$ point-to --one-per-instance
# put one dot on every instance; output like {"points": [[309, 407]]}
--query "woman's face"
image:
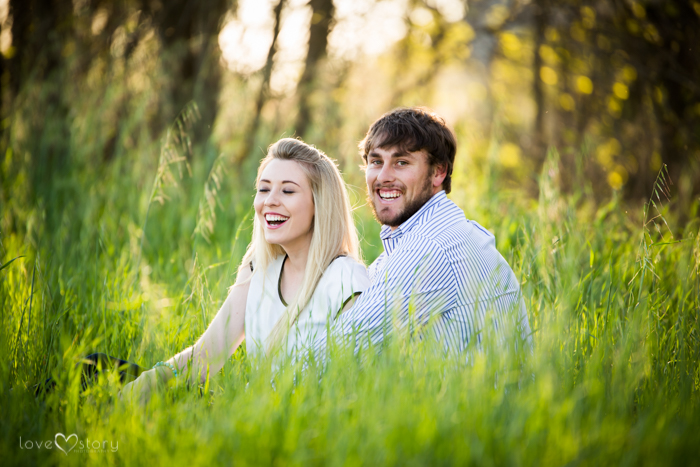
{"points": [[284, 205]]}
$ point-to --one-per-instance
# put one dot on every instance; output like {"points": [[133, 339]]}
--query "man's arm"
{"points": [[416, 281]]}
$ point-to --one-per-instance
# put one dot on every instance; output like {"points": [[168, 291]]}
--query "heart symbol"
{"points": [[55, 441]]}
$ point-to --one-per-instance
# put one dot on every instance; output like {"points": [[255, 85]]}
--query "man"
{"points": [[439, 272]]}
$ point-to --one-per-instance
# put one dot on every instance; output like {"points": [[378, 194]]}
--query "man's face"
{"points": [[399, 183]]}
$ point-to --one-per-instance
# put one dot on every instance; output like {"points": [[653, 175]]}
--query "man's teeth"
{"points": [[389, 194], [271, 218]]}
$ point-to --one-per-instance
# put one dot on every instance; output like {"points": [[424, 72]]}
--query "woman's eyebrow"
{"points": [[283, 181]]}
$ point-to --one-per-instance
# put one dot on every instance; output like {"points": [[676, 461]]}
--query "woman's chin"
{"points": [[274, 238]]}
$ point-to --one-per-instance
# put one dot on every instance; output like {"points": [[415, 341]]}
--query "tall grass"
{"points": [[137, 264]]}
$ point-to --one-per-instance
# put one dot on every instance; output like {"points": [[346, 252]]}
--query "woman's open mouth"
{"points": [[275, 221]]}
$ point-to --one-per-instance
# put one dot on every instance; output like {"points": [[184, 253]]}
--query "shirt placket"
{"points": [[392, 241]]}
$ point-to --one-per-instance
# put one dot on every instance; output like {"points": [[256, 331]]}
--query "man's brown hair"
{"points": [[414, 129]]}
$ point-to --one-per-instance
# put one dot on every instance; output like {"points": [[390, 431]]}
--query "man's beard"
{"points": [[412, 207]]}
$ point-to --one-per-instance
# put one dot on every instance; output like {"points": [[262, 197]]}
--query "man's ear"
{"points": [[439, 174]]}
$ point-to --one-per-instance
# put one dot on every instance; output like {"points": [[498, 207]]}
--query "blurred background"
{"points": [[130, 136], [105, 102]]}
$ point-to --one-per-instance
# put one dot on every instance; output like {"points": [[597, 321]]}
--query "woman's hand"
{"points": [[140, 390], [219, 341], [224, 334]]}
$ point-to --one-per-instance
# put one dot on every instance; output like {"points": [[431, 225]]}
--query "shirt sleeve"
{"points": [[418, 279], [355, 281], [345, 279]]}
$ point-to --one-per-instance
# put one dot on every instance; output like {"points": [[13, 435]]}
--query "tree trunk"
{"points": [[264, 86], [38, 31], [188, 32], [321, 23], [486, 27], [540, 23]]}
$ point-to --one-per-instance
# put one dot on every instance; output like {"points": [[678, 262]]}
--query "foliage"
{"points": [[613, 377], [120, 232]]}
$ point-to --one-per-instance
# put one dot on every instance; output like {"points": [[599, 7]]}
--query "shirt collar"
{"points": [[419, 218]]}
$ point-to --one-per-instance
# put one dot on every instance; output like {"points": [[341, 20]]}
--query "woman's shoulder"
{"points": [[252, 267], [345, 268], [346, 262], [344, 278]]}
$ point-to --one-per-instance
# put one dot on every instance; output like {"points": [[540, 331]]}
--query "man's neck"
{"points": [[436, 190]]}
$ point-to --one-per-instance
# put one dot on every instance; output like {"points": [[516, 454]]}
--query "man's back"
{"points": [[438, 270]]}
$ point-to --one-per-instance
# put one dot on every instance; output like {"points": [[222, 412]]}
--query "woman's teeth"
{"points": [[275, 220]]}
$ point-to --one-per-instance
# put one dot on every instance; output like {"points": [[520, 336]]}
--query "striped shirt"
{"points": [[439, 273]]}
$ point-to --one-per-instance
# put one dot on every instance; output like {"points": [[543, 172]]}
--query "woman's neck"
{"points": [[293, 268], [298, 255]]}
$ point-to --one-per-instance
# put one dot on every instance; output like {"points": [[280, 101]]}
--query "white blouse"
{"points": [[343, 279]]}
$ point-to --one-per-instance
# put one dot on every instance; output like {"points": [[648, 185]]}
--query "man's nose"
{"points": [[386, 174]]}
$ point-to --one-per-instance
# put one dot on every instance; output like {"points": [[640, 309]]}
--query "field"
{"points": [[138, 259]]}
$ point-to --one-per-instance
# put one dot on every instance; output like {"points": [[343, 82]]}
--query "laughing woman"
{"points": [[302, 268]]}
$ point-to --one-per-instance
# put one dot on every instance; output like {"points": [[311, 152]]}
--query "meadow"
{"points": [[135, 259]]}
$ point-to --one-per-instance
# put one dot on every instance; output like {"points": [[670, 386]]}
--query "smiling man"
{"points": [[439, 273]]}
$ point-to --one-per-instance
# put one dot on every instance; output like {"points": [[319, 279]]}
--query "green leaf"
{"points": [[9, 262]]}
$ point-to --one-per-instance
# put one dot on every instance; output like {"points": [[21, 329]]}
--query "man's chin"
{"points": [[394, 216], [388, 218]]}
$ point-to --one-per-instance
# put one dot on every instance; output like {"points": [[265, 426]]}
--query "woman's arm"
{"points": [[223, 336]]}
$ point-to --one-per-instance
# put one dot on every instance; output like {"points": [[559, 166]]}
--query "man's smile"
{"points": [[389, 195]]}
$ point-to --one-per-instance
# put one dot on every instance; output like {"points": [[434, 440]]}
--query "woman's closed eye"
{"points": [[286, 192]]}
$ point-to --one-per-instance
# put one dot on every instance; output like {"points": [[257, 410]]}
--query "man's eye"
{"points": [[375, 162], [402, 163]]}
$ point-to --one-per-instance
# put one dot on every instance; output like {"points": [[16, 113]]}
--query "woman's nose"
{"points": [[272, 198]]}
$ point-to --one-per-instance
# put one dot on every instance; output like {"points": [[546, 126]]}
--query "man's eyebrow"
{"points": [[283, 181], [394, 154]]}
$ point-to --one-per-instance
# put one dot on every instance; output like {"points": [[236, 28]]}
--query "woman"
{"points": [[302, 268]]}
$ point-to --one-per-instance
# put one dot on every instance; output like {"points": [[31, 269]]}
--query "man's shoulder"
{"points": [[446, 233], [459, 244], [446, 227], [372, 269]]}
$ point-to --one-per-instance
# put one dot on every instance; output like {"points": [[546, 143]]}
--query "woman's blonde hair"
{"points": [[334, 231]]}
